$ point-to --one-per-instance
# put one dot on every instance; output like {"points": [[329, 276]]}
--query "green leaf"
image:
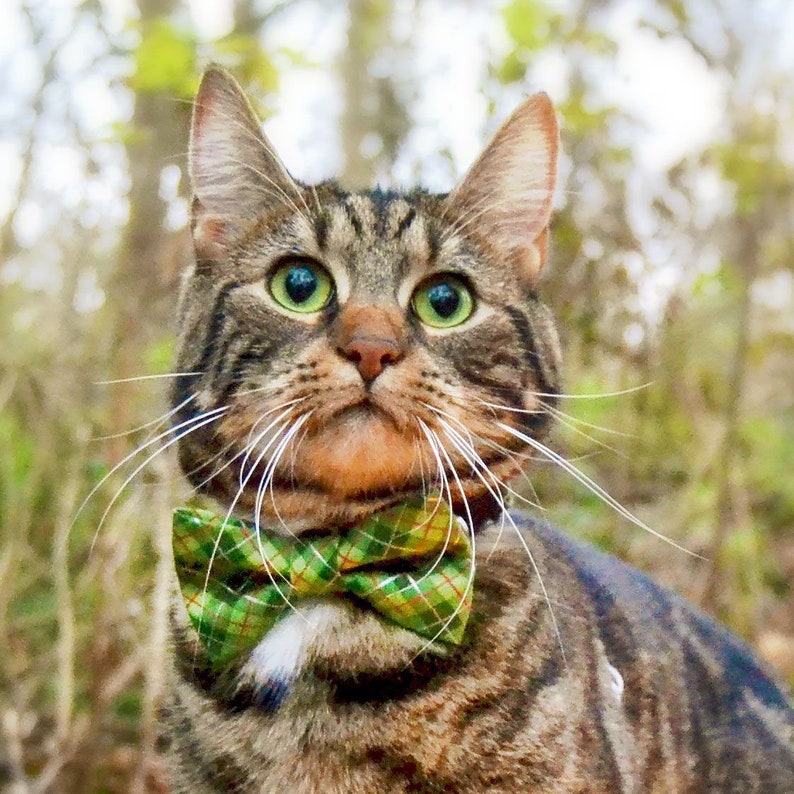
{"points": [[527, 23], [159, 357], [251, 64], [512, 69], [165, 60]]}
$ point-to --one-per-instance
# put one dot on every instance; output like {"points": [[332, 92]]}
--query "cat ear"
{"points": [[506, 196], [234, 171]]}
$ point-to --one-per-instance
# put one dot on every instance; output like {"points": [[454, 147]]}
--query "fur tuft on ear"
{"points": [[234, 171], [505, 198]]}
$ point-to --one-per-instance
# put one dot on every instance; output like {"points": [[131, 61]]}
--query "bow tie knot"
{"points": [[411, 563]]}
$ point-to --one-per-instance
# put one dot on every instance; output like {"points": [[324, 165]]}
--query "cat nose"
{"points": [[371, 354]]}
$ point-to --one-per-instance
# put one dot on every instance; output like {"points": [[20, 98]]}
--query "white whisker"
{"points": [[573, 420], [263, 485], [243, 483], [246, 448], [563, 417], [592, 486], [244, 477], [470, 444], [592, 396], [273, 463], [578, 430], [214, 413], [433, 440], [156, 422], [435, 445], [144, 377], [480, 471], [194, 424], [252, 444]]}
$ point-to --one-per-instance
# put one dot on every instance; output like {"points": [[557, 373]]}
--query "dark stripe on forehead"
{"points": [[381, 199], [321, 229], [405, 223], [401, 267], [434, 240], [352, 216]]}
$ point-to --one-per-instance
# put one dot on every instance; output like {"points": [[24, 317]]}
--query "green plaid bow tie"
{"points": [[256, 577]]}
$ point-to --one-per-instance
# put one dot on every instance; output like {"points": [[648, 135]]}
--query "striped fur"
{"points": [[577, 674]]}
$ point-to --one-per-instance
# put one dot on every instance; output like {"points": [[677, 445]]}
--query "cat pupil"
{"points": [[300, 284], [444, 299]]}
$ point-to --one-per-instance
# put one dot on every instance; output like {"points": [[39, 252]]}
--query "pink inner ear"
{"points": [[209, 234]]}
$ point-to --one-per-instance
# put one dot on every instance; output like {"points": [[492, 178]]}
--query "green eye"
{"points": [[443, 302], [301, 286]]}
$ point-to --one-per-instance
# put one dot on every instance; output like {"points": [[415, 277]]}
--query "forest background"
{"points": [[672, 276]]}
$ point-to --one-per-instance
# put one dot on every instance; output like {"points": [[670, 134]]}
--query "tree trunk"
{"points": [[141, 289], [374, 121], [725, 513]]}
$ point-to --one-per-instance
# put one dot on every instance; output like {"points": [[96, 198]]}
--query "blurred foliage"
{"points": [[250, 61], [680, 405], [165, 60]]}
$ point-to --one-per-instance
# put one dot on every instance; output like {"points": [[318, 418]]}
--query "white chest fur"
{"points": [[280, 656]]}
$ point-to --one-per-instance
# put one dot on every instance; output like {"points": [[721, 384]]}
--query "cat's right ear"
{"points": [[234, 172]]}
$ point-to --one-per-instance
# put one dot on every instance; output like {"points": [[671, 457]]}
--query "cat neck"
{"points": [[302, 511]]}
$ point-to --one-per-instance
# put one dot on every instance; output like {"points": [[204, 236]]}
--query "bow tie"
{"points": [[412, 563]]}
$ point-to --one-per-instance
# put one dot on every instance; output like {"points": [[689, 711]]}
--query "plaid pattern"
{"points": [[238, 583]]}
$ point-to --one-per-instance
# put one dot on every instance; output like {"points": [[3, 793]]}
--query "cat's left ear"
{"points": [[506, 196]]}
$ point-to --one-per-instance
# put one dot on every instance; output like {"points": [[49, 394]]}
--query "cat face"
{"points": [[348, 348]]}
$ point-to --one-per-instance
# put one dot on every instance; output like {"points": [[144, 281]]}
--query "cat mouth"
{"points": [[364, 410]]}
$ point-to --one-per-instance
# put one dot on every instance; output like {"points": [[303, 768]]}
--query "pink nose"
{"points": [[371, 355]]}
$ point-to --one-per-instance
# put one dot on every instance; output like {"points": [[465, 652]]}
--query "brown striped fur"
{"points": [[577, 674]]}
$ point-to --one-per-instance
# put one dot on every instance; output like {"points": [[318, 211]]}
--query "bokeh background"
{"points": [[672, 276]]}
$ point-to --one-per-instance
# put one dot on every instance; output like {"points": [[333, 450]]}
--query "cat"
{"points": [[342, 353]]}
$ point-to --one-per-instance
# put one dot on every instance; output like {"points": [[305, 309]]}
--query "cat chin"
{"points": [[329, 636], [350, 458]]}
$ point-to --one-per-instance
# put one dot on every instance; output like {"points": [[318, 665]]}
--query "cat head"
{"points": [[345, 349]]}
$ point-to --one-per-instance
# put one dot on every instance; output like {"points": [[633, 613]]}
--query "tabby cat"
{"points": [[345, 353]]}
